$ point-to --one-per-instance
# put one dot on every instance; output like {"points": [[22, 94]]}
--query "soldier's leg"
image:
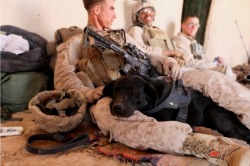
{"points": [[227, 93], [216, 149], [142, 132]]}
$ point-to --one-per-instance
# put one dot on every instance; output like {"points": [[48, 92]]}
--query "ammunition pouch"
{"points": [[197, 51], [158, 38], [102, 65]]}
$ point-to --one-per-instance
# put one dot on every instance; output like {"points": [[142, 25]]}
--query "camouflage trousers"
{"points": [[142, 132], [222, 90]]}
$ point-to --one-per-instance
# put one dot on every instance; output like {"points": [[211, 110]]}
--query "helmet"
{"points": [[137, 7], [72, 101]]}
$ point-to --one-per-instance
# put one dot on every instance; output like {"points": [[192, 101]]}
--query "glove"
{"points": [[93, 95], [171, 67]]}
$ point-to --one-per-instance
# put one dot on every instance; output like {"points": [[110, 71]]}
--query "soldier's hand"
{"points": [[93, 95], [178, 54], [180, 61], [171, 67], [168, 52], [173, 53]]}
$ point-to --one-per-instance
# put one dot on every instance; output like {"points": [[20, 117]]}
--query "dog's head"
{"points": [[132, 92]]}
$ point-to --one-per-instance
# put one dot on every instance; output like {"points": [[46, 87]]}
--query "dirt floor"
{"points": [[13, 152]]}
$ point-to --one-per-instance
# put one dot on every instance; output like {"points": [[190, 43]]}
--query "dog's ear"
{"points": [[156, 83], [108, 90], [151, 93]]}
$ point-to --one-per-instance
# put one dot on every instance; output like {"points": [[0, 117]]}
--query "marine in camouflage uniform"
{"points": [[193, 52], [138, 131], [144, 32]]}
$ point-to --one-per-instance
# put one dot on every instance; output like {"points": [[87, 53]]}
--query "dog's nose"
{"points": [[117, 108]]}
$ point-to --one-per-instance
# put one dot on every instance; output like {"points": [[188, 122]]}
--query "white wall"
{"points": [[45, 16], [222, 36]]}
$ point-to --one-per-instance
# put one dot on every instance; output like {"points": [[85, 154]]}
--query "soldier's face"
{"points": [[147, 15], [107, 14], [190, 26]]}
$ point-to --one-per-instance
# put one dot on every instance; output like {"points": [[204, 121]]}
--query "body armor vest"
{"points": [[102, 65], [155, 37], [198, 51]]}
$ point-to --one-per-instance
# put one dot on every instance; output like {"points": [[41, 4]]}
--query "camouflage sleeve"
{"points": [[65, 76], [136, 32], [140, 131], [183, 44]]}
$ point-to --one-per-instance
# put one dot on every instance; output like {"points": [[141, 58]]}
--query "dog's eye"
{"points": [[116, 89], [132, 91]]}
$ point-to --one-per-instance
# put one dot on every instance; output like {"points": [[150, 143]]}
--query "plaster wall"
{"points": [[222, 37]]}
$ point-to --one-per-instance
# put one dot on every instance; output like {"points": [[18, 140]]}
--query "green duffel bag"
{"points": [[18, 88]]}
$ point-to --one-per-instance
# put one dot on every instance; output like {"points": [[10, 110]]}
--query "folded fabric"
{"points": [[3, 43]]}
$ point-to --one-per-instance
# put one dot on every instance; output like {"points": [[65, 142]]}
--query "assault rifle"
{"points": [[135, 59]]}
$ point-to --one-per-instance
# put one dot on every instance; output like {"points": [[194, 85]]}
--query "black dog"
{"points": [[135, 92]]}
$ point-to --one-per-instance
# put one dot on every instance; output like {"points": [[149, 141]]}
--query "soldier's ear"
{"points": [[108, 90], [96, 9]]}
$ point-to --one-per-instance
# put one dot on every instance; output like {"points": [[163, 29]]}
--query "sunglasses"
{"points": [[190, 24], [146, 11]]}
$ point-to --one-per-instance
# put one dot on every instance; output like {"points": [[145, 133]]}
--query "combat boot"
{"points": [[217, 150]]}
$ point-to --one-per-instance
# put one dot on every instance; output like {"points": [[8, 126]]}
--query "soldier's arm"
{"points": [[183, 45], [65, 76], [136, 32], [164, 65]]}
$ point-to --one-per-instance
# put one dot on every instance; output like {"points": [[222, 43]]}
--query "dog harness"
{"points": [[179, 98]]}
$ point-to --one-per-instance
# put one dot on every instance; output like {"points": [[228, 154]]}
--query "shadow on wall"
{"points": [[170, 27]]}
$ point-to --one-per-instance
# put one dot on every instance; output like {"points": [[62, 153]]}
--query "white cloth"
{"points": [[14, 43]]}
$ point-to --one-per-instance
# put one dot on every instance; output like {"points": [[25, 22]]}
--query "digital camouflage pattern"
{"points": [[61, 123], [217, 150], [140, 131], [227, 93]]}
